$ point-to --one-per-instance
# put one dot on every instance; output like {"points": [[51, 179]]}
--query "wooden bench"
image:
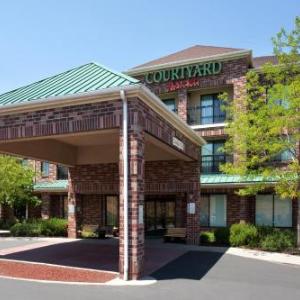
{"points": [[173, 234]]}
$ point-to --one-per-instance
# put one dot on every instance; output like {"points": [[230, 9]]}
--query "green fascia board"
{"points": [[51, 185], [86, 78], [232, 179]]}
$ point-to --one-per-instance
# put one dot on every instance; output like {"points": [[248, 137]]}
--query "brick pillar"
{"points": [[135, 200], [193, 208], [73, 202], [182, 104], [45, 207]]}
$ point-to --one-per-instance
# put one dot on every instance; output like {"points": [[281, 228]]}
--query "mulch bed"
{"points": [[53, 273]]}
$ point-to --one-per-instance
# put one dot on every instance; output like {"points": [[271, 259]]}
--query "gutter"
{"points": [[125, 182]]}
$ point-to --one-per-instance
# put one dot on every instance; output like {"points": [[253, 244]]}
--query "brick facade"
{"points": [[89, 184]]}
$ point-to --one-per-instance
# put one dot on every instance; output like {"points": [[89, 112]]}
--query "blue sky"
{"points": [[42, 38]]}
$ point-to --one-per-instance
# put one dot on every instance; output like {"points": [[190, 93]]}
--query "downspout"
{"points": [[125, 181]]}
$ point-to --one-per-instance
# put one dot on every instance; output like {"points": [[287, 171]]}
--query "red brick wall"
{"points": [[92, 207]]}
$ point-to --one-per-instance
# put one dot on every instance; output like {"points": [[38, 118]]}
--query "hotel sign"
{"points": [[184, 72], [178, 143]]}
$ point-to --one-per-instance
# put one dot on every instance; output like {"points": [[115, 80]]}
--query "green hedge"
{"points": [[243, 235], [39, 227], [278, 240], [207, 237], [222, 236], [251, 236]]}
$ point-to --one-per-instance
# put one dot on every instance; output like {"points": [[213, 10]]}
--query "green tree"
{"points": [[16, 183], [264, 123]]}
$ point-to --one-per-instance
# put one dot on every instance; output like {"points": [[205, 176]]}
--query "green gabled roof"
{"points": [[51, 185], [86, 78], [231, 179]]}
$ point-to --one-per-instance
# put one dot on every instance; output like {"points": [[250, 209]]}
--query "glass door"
{"points": [[159, 215]]}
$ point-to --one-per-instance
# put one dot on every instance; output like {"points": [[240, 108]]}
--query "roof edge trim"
{"points": [[230, 55]]}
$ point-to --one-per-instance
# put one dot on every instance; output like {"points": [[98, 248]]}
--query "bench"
{"points": [[173, 234]]}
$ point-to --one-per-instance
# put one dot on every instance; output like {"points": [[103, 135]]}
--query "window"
{"points": [[211, 112], [24, 162], [212, 157], [273, 211], [284, 156], [45, 168], [61, 172], [213, 210], [170, 103]]}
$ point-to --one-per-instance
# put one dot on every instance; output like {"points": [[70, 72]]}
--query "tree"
{"points": [[265, 123], [16, 183]]}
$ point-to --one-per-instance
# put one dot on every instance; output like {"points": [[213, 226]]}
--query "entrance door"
{"points": [[159, 215]]}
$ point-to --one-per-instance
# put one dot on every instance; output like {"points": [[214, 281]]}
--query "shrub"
{"points": [[278, 240], [39, 227], [54, 227], [243, 234], [207, 237], [264, 231], [222, 236], [26, 229]]}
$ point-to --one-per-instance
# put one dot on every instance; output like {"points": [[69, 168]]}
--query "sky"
{"points": [[40, 38]]}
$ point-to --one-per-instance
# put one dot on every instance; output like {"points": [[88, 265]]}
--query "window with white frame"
{"points": [[213, 210], [273, 211]]}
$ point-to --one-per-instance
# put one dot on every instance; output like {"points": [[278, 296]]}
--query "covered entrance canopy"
{"points": [[117, 137]]}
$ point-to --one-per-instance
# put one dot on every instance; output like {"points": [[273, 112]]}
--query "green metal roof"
{"points": [[86, 78], [51, 185], [205, 180], [230, 179]]}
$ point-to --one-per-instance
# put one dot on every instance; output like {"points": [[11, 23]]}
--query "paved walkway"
{"points": [[45, 258], [193, 276], [97, 255]]}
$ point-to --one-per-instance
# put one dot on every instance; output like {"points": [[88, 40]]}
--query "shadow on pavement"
{"points": [[81, 254], [191, 265]]}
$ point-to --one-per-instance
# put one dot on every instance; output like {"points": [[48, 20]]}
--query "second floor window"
{"points": [[207, 112], [61, 172], [171, 104], [45, 169], [212, 157], [211, 111]]}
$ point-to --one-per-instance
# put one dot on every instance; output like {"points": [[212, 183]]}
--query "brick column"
{"points": [[182, 104], [45, 208], [135, 199], [193, 208], [72, 211]]}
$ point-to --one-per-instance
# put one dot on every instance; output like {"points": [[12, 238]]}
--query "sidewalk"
{"points": [[273, 257]]}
